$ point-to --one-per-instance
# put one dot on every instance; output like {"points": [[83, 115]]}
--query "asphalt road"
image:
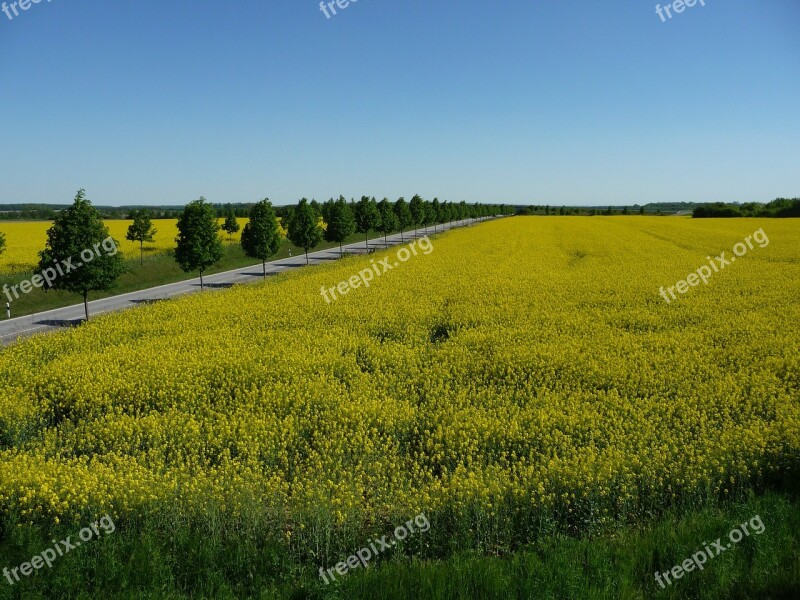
{"points": [[70, 316]]}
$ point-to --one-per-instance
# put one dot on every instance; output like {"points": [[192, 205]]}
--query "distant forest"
{"points": [[659, 208], [780, 207], [47, 212]]}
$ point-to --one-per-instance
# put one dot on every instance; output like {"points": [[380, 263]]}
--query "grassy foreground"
{"points": [[177, 560]]}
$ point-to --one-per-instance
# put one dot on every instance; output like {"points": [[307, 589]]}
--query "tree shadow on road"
{"points": [[61, 322]]}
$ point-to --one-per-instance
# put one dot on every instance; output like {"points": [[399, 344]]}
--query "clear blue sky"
{"points": [[538, 101]]}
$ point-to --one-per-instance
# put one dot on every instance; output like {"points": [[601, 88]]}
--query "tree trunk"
{"points": [[402, 241], [201, 281], [306, 249], [141, 253], [366, 240], [86, 304], [264, 264], [341, 250]]}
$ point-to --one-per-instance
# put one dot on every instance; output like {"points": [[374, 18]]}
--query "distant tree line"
{"points": [[778, 208], [28, 212], [584, 211], [48, 212]]}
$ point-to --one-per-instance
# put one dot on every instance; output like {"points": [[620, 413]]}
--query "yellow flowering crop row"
{"points": [[527, 366], [25, 239]]}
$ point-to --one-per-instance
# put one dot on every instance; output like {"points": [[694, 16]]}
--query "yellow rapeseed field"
{"points": [[527, 368], [25, 239]]}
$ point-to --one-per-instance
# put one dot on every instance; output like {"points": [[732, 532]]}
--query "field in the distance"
{"points": [[523, 380], [25, 239]]}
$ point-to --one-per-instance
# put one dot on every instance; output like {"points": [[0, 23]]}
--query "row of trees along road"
{"points": [[198, 246], [343, 218]]}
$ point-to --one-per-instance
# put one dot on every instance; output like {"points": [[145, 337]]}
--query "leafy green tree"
{"points": [[304, 229], [326, 209], [261, 236], [231, 224], [388, 219], [141, 230], [417, 208], [340, 220], [436, 213], [77, 233], [428, 215], [403, 215], [641, 210], [367, 217], [317, 208], [448, 214], [462, 210], [198, 243]]}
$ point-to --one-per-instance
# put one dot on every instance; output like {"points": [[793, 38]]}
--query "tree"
{"points": [[231, 225], [463, 211], [340, 220], [304, 229], [141, 230], [367, 217], [436, 213], [325, 209], [403, 215], [625, 211], [317, 208], [78, 232], [261, 236], [448, 212], [641, 210], [2, 242], [417, 208], [388, 220], [428, 215], [198, 243]]}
